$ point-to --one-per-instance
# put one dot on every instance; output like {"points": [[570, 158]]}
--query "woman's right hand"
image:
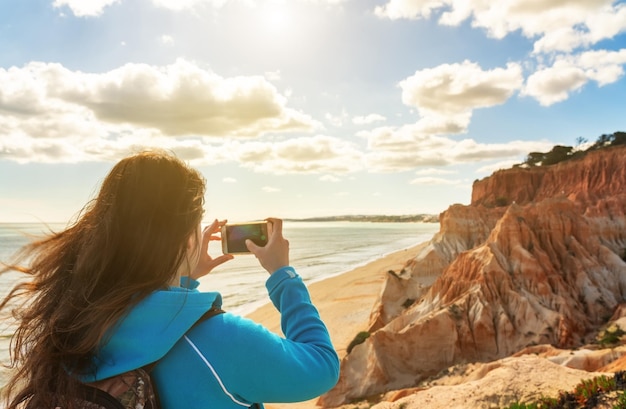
{"points": [[275, 254]]}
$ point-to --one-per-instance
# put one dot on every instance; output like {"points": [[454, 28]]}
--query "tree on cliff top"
{"points": [[561, 153]]}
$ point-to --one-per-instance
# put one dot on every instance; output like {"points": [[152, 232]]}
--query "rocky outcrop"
{"points": [[546, 269], [462, 228], [496, 385]]}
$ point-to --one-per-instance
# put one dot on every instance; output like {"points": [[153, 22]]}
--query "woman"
{"points": [[117, 291]]}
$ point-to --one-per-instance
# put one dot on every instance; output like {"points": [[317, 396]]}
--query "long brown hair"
{"points": [[125, 244]]}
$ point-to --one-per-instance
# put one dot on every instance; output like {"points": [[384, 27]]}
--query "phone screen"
{"points": [[237, 234]]}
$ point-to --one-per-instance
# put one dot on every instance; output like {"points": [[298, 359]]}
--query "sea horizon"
{"points": [[318, 250]]}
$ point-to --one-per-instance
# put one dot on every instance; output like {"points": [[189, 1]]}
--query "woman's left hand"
{"points": [[206, 263]]}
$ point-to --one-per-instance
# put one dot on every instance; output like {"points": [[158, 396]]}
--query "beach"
{"points": [[344, 302]]}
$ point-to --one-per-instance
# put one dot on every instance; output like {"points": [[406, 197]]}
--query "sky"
{"points": [[299, 108]]}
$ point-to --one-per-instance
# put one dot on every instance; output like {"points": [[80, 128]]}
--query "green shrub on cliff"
{"points": [[598, 392], [610, 336], [358, 339], [517, 405]]}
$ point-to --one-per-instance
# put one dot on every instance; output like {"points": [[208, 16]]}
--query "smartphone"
{"points": [[234, 236]]}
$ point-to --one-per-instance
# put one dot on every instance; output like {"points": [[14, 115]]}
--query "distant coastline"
{"points": [[409, 218]]}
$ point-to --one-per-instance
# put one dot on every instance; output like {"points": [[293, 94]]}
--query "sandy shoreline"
{"points": [[344, 302]]}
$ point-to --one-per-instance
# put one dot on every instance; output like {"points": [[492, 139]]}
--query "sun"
{"points": [[276, 18]]}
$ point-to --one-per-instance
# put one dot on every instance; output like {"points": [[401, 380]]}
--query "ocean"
{"points": [[318, 250]]}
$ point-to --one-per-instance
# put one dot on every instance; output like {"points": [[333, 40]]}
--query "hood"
{"points": [[150, 329]]}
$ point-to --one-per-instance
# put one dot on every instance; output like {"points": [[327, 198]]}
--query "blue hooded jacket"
{"points": [[227, 361]]}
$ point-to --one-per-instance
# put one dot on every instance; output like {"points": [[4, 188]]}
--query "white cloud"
{"points": [[182, 99], [587, 23], [93, 145], [555, 25], [604, 67], [179, 5], [455, 89], [568, 74], [368, 119], [385, 161], [331, 2], [167, 40], [85, 8], [330, 178], [434, 171], [317, 154], [50, 113], [489, 169], [468, 150], [229, 180], [94, 8], [408, 138], [445, 97], [410, 9], [270, 189], [407, 147], [337, 120], [273, 75], [553, 84], [432, 181]]}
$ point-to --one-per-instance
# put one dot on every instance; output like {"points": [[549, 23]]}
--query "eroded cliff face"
{"points": [[462, 228], [546, 269]]}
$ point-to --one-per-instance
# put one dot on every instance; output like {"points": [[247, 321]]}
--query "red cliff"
{"points": [[597, 175], [547, 268]]}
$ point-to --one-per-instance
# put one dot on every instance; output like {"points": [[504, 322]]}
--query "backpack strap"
{"points": [[132, 389], [209, 314], [99, 397], [88, 397]]}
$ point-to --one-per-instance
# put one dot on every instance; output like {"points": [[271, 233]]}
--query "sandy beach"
{"points": [[344, 302]]}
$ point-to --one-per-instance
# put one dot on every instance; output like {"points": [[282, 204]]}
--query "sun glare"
{"points": [[277, 18]]}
